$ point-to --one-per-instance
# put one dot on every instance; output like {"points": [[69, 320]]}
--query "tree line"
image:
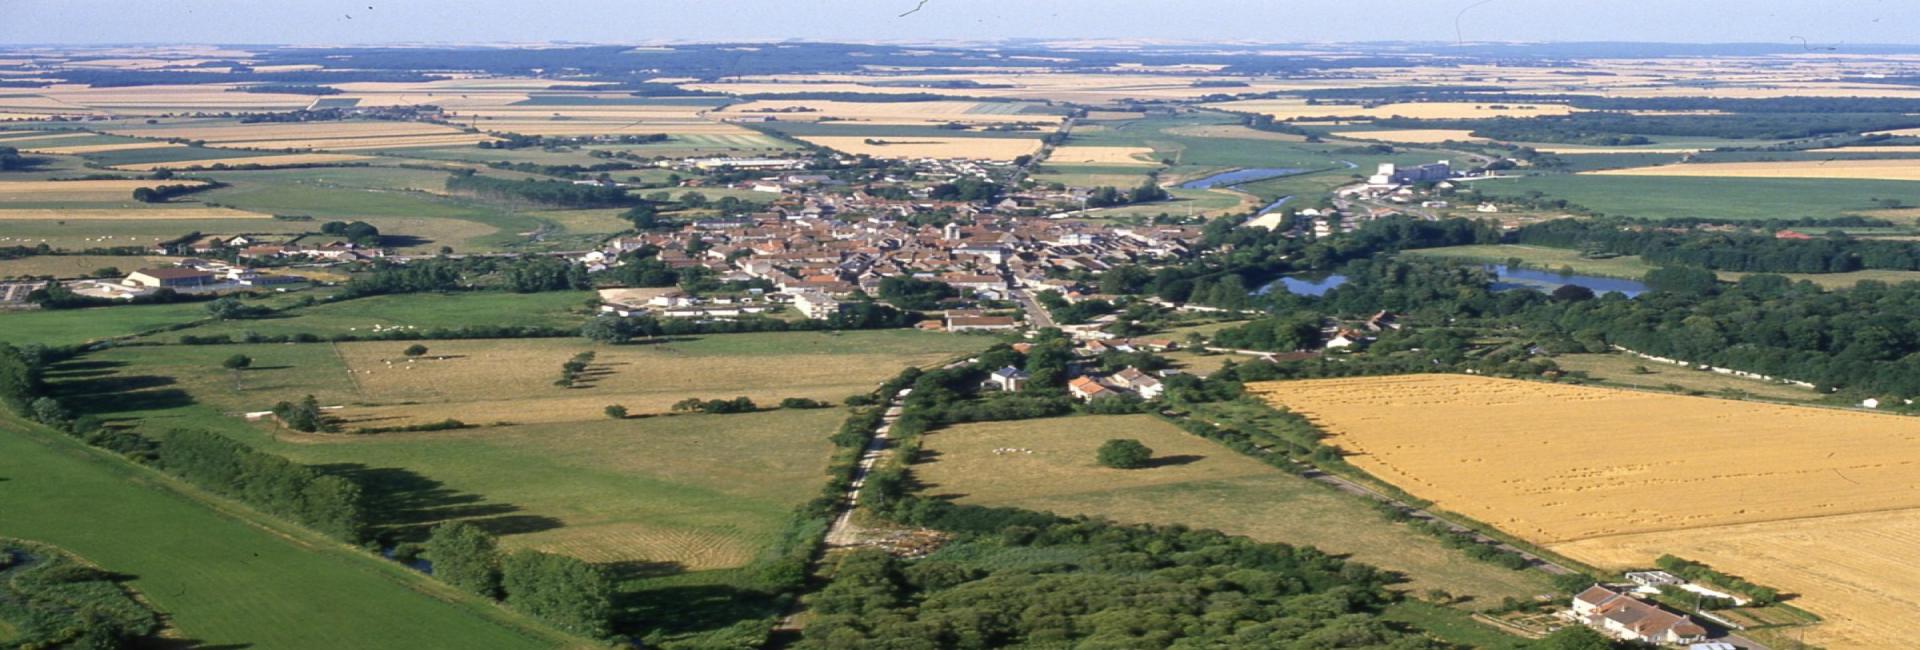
{"points": [[1744, 250], [560, 194]]}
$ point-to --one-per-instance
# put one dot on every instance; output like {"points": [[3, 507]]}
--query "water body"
{"points": [[1507, 279], [1238, 176], [1304, 285], [1276, 204]]}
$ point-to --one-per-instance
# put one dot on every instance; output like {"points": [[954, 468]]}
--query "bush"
{"points": [[415, 350], [616, 412], [1125, 453]]}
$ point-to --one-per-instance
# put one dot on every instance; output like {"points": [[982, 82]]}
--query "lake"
{"points": [[1238, 176], [1505, 279], [1549, 280]]}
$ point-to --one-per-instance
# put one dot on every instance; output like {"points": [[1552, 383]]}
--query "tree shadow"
{"points": [[1173, 461], [674, 610], [403, 505]]}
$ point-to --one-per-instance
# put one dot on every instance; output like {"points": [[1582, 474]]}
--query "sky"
{"points": [[1821, 22]]}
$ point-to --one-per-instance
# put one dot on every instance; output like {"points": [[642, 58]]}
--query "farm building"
{"points": [[1625, 617], [1139, 382], [171, 278]]}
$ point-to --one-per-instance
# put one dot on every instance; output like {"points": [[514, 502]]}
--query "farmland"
{"points": [[1885, 170], [1197, 483], [1519, 456], [927, 147], [225, 576], [1727, 198]]}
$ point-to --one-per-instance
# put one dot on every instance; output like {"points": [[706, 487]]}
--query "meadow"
{"points": [[1195, 483], [226, 577], [1724, 198], [1738, 485], [75, 266], [428, 311], [70, 326]]}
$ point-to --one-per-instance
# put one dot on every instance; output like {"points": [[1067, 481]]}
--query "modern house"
{"points": [[1087, 389], [1009, 378], [1139, 382], [169, 278], [1624, 617]]}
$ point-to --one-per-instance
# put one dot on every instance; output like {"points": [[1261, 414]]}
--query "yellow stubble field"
{"points": [[922, 147], [1070, 155], [1291, 109], [1818, 502], [1889, 169], [90, 190]]}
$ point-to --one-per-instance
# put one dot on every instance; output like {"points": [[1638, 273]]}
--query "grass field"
{"points": [[1074, 155], [1739, 485], [1729, 198], [75, 266], [1196, 483], [224, 577], [1623, 370], [415, 311], [69, 326]]}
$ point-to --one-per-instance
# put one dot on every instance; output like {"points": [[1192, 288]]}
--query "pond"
{"points": [[1505, 279], [1548, 281], [1238, 176], [1304, 285]]}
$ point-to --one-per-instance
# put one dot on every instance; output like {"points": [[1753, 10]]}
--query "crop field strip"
{"points": [[1051, 467], [1616, 477]]}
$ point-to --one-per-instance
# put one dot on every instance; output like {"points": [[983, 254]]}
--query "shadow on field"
{"points": [[185, 644], [1172, 461], [684, 609], [404, 506], [115, 393]]}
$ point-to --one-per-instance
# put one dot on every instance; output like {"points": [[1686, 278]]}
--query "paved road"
{"points": [[843, 532], [1037, 315]]}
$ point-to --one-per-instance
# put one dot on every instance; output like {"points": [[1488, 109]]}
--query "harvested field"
{"points": [[101, 190], [287, 160], [935, 112], [512, 381], [1877, 148], [1196, 483], [93, 214], [360, 144], [1417, 136], [1291, 109], [1887, 170], [99, 148], [1071, 155], [919, 147], [1616, 477]]}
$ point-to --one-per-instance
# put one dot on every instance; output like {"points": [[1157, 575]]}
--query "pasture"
{"points": [[225, 576], [1727, 198], [414, 312], [1195, 483], [1739, 485], [278, 160], [70, 326], [76, 266], [1416, 136]]}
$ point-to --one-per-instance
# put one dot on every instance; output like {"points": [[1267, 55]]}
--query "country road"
{"points": [[843, 533]]}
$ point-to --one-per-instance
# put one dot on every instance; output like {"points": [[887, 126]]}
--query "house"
{"points": [[1009, 378], [1631, 619], [1346, 339], [1086, 389], [170, 278], [1139, 382], [816, 305], [1654, 579]]}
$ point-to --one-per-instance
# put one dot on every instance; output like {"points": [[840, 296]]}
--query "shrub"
{"points": [[1125, 453]]}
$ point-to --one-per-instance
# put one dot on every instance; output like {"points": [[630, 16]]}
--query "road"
{"points": [[843, 533], [1037, 315]]}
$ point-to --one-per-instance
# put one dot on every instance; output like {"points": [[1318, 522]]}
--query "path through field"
{"points": [[844, 533]]}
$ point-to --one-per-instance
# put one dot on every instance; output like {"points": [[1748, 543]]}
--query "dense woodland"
{"points": [[1756, 251]]}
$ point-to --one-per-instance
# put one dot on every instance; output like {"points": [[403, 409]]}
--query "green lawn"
{"points": [[69, 326], [419, 311], [224, 576], [1453, 626], [1725, 198]]}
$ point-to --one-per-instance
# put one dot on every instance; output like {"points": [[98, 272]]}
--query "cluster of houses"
{"points": [[190, 275], [264, 248]]}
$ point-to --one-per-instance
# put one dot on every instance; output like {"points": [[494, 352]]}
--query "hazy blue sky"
{"points": [[380, 21]]}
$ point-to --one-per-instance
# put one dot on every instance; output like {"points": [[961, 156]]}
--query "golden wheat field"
{"points": [[1813, 501], [1890, 170], [922, 147], [930, 112], [1102, 155]]}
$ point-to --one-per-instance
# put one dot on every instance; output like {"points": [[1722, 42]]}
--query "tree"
{"points": [[47, 410], [237, 362], [616, 412], [1572, 293], [415, 350], [566, 592], [230, 308], [608, 329], [465, 556], [1124, 453]]}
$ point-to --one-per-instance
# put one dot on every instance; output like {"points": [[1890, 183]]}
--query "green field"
{"points": [[74, 266], [69, 326], [1723, 198], [1630, 266], [1199, 484], [418, 311], [224, 576], [1628, 371]]}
